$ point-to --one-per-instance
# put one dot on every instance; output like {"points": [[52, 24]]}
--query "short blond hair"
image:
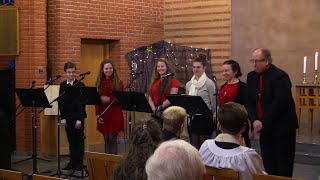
{"points": [[173, 118], [175, 160]]}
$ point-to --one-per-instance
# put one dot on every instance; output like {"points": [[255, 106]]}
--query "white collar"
{"points": [[224, 137], [72, 82]]}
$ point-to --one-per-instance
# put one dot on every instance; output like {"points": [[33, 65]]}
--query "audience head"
{"points": [[145, 137], [261, 59], [173, 118], [232, 118], [107, 69], [230, 70], [175, 160], [199, 65]]}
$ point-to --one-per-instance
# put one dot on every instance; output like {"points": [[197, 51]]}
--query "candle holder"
{"points": [[304, 81], [315, 77]]}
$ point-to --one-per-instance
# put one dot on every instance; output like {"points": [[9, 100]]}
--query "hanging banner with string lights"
{"points": [[143, 59]]}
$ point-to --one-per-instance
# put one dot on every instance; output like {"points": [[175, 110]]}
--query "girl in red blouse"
{"points": [[160, 86], [234, 90], [112, 121]]}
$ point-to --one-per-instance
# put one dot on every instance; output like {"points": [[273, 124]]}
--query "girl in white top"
{"points": [[201, 126], [226, 150]]}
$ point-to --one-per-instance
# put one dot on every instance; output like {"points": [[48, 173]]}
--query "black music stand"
{"points": [[194, 105], [33, 98], [133, 101], [86, 96]]}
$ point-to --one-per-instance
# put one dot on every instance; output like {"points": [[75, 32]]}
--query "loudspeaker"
{"points": [[9, 28]]}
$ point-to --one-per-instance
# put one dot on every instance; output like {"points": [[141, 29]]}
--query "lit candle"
{"points": [[305, 64], [316, 61]]}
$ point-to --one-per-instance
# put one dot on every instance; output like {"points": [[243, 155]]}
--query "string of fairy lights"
{"points": [[180, 58], [169, 54]]}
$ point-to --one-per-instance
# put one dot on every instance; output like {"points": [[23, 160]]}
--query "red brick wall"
{"points": [[133, 23], [32, 22]]}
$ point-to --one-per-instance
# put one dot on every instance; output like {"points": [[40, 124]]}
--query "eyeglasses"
{"points": [[255, 61]]}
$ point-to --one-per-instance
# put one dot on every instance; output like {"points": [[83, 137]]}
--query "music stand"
{"points": [[86, 96], [194, 105], [33, 98], [133, 101]]}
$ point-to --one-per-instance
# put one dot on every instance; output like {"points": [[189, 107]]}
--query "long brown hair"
{"points": [[146, 136], [115, 76], [165, 84]]}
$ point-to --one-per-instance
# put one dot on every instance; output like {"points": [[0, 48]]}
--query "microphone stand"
{"points": [[216, 108]]}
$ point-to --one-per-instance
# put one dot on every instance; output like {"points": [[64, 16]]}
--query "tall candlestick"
{"points": [[316, 61], [305, 64]]}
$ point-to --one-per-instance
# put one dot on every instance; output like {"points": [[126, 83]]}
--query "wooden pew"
{"points": [[100, 165], [10, 175], [41, 177], [220, 174]]}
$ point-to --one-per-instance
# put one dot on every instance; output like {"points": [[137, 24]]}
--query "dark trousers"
{"points": [[278, 153], [245, 135], [76, 142]]}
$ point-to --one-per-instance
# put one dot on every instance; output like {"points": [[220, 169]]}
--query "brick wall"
{"points": [[200, 23], [133, 23], [32, 58]]}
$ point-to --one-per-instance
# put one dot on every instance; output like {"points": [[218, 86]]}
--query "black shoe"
{"points": [[78, 168], [68, 167]]}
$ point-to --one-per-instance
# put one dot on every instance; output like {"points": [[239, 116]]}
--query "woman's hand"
{"points": [[105, 99], [99, 119]]}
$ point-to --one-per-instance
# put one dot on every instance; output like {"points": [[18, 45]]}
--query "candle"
{"points": [[316, 61], [305, 64]]}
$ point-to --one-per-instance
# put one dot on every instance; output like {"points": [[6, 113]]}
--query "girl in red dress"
{"points": [[160, 86], [112, 121], [234, 90]]}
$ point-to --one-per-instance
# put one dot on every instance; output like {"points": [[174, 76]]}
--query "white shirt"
{"points": [[242, 159]]}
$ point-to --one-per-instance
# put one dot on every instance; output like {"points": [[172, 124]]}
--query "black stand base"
{"points": [[31, 158]]}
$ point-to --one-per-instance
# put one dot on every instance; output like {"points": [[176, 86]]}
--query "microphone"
{"points": [[86, 73], [167, 75], [53, 79], [32, 86], [137, 73], [214, 78], [134, 68]]}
